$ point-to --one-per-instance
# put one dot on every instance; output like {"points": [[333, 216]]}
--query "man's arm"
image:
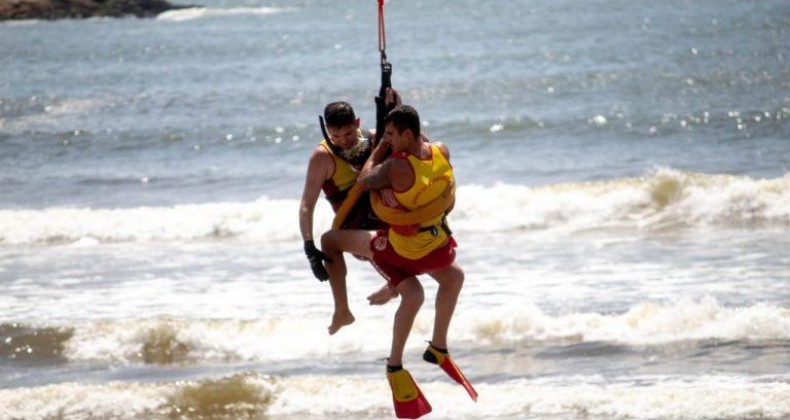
{"points": [[319, 169], [375, 173]]}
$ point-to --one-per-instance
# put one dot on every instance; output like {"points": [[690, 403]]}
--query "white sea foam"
{"points": [[164, 341], [274, 220], [719, 397], [203, 12], [666, 198], [227, 398], [169, 340], [58, 110], [643, 324], [256, 395], [21, 22]]}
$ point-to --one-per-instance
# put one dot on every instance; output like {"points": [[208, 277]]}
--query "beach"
{"points": [[622, 210]]}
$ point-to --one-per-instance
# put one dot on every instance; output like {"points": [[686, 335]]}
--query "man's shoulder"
{"points": [[321, 157], [442, 148], [321, 150], [439, 144]]}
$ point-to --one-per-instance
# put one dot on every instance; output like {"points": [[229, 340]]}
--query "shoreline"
{"points": [[81, 9]]}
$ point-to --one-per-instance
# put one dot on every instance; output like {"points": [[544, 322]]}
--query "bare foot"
{"points": [[340, 320], [382, 296]]}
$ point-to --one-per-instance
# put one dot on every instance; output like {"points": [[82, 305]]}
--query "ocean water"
{"points": [[623, 210]]}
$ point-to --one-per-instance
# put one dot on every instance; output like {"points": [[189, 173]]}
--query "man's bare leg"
{"points": [[412, 297], [333, 244], [337, 281], [451, 280]]}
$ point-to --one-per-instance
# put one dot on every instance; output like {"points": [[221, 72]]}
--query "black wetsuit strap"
{"points": [[434, 229], [335, 149]]}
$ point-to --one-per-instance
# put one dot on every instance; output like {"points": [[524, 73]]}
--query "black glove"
{"points": [[316, 258]]}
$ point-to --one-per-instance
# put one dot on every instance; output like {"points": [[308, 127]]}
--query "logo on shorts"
{"points": [[380, 243]]}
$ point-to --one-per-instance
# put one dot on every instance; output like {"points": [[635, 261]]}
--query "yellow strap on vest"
{"points": [[353, 196], [429, 211]]}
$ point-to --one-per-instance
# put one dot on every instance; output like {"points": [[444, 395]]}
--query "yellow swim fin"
{"points": [[409, 401]]}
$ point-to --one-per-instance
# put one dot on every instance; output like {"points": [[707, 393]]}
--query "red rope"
{"points": [[382, 35]]}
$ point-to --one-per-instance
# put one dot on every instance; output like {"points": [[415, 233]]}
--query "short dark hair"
{"points": [[405, 117], [339, 114]]}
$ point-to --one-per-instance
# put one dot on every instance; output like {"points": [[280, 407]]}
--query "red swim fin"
{"points": [[409, 401], [444, 361]]}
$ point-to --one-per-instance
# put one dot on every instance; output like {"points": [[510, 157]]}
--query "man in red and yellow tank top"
{"points": [[415, 174]]}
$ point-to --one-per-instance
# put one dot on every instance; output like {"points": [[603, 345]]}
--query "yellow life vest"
{"points": [[433, 178], [343, 178]]}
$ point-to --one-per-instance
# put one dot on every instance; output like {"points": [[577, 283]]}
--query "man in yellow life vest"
{"points": [[333, 167], [416, 174]]}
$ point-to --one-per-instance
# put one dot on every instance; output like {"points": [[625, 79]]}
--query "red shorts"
{"points": [[395, 268]]}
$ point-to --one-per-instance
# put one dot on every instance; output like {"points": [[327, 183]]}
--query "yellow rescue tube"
{"points": [[351, 198], [394, 216], [434, 209]]}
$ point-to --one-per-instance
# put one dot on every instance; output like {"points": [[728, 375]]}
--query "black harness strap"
{"points": [[435, 228]]}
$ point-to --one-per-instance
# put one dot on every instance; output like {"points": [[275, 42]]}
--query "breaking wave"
{"points": [[183, 341], [240, 396], [665, 199], [204, 12], [264, 218], [643, 324], [254, 395]]}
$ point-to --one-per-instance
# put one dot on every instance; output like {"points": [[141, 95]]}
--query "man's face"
{"points": [[345, 136], [396, 138]]}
